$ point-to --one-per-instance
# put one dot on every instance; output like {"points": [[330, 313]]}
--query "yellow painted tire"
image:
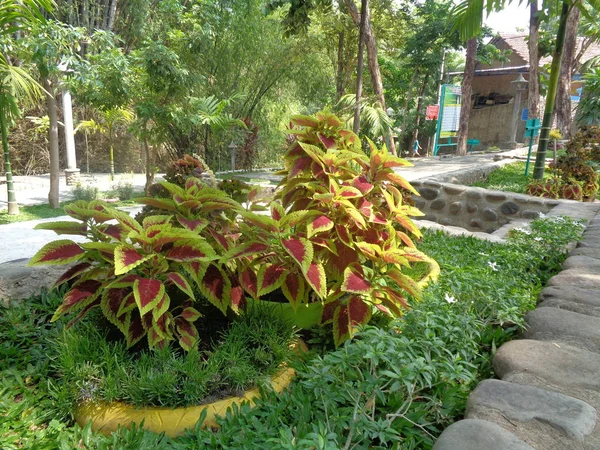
{"points": [[106, 418]]}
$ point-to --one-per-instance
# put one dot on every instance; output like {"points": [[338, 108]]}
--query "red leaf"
{"points": [[343, 234], [74, 271], [81, 314], [270, 278], [148, 293], [216, 287], [127, 258], [329, 310], [190, 250], [366, 208], [114, 231], [134, 330], [301, 164], [362, 184], [190, 314], [63, 251], [182, 283], [194, 225], [301, 250], [294, 289], [78, 297], [248, 282], [354, 281], [315, 275], [318, 225], [247, 249], [327, 141], [341, 325], [277, 211], [359, 313], [238, 301]]}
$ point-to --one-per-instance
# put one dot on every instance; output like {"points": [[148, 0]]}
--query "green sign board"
{"points": [[450, 111], [532, 123]]}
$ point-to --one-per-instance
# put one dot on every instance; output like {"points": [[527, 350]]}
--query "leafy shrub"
{"points": [[124, 190], [85, 192], [575, 177], [339, 234]]}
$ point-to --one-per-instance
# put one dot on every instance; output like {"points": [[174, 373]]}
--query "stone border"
{"points": [[477, 209], [548, 394]]}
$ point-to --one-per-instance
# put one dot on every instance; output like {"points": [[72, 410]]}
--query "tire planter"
{"points": [[107, 417]]}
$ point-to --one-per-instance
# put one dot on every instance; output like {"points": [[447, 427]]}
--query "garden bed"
{"points": [[402, 382]]}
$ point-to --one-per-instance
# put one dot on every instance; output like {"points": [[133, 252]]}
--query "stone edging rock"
{"points": [[548, 394]]}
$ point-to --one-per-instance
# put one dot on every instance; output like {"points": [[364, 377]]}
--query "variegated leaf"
{"points": [[62, 251], [148, 293], [301, 250], [128, 258], [78, 297], [182, 283], [63, 227]]}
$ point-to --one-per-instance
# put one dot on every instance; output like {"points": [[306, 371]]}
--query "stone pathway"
{"points": [[548, 394]]}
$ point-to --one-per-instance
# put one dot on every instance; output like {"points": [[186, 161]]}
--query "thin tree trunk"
{"points": [[112, 153], [111, 15], [534, 68], [53, 195], [371, 44], [339, 79], [149, 166], [406, 108], [13, 207], [540, 159], [467, 88], [563, 96], [419, 106], [105, 13], [359, 68]]}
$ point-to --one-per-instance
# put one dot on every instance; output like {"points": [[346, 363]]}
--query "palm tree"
{"points": [[16, 83], [110, 118], [468, 17]]}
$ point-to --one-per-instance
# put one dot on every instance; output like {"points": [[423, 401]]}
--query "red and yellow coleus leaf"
{"points": [[128, 258], [249, 249], [115, 231], [315, 276], [409, 225], [318, 225], [305, 121], [348, 316], [269, 278], [216, 287], [249, 282], [161, 307], [294, 289], [161, 203], [188, 334], [355, 281], [134, 329], [399, 180], [362, 184], [114, 304], [84, 211], [182, 283], [63, 227], [301, 250], [263, 222], [78, 297], [277, 211], [62, 251], [194, 225], [405, 282], [148, 293], [190, 314], [191, 250], [73, 272]]}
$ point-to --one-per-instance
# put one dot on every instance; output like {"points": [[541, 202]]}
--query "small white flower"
{"points": [[541, 216], [522, 230], [538, 239], [449, 298], [483, 254], [493, 266]]}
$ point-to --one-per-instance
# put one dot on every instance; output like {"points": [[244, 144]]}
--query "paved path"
{"points": [[20, 240]]}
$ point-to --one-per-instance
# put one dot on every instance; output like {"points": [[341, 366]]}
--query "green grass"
{"points": [[509, 178], [397, 386], [94, 368], [45, 211]]}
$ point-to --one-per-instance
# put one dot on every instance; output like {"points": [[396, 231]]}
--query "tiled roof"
{"points": [[519, 45]]}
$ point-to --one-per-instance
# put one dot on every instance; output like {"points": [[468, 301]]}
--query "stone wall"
{"points": [[491, 125], [476, 209]]}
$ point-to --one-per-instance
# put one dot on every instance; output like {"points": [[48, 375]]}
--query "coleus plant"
{"points": [[354, 233], [131, 271]]}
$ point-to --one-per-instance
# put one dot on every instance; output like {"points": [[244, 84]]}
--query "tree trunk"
{"points": [[419, 106], [149, 166], [371, 43], [534, 69], [13, 207], [563, 96], [111, 15], [112, 153], [339, 79], [540, 159], [467, 88], [359, 65], [406, 109], [53, 195]]}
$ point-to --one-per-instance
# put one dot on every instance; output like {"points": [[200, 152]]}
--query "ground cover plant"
{"points": [[393, 386], [509, 178]]}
